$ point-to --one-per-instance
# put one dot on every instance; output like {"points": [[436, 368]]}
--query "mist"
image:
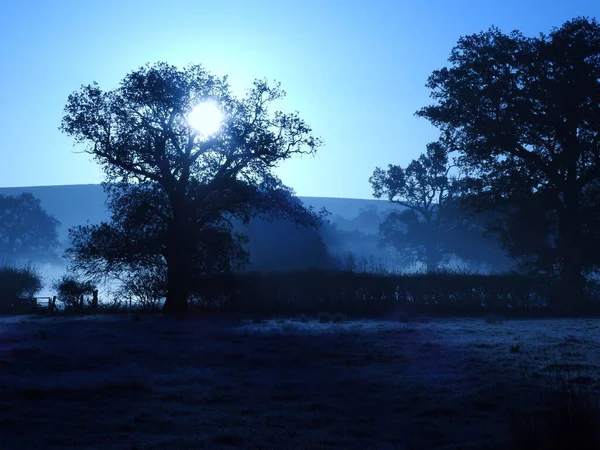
{"points": [[348, 238]]}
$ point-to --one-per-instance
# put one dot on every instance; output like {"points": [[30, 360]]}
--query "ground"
{"points": [[156, 383]]}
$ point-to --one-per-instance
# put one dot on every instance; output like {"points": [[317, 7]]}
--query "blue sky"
{"points": [[356, 70]]}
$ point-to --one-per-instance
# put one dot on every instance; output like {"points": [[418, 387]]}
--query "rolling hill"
{"points": [[79, 204]]}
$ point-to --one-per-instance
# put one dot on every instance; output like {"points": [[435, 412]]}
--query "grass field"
{"points": [[155, 383]]}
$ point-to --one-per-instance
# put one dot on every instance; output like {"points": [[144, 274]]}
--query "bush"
{"points": [[75, 294], [144, 287], [349, 262], [18, 285]]}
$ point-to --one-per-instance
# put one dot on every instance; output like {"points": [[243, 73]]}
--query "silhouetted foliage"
{"points": [[27, 232], [351, 262], [423, 188], [421, 232], [523, 113], [139, 132], [143, 286], [468, 238], [74, 293], [136, 239], [527, 230], [442, 292], [18, 283]]}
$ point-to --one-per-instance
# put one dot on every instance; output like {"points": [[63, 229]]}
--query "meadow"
{"points": [[290, 382]]}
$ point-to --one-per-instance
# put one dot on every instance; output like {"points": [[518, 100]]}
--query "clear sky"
{"points": [[355, 70]]}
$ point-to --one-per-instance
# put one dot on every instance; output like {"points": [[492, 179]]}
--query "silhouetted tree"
{"points": [[73, 292], [17, 283], [524, 113], [424, 188], [145, 286], [27, 232], [139, 132]]}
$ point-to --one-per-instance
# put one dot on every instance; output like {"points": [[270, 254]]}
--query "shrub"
{"points": [[74, 293], [349, 262], [17, 286], [144, 287], [351, 293]]}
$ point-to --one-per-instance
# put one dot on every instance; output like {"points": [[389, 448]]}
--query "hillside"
{"points": [[79, 204]]}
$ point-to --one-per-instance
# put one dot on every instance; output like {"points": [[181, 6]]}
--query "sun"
{"points": [[206, 118]]}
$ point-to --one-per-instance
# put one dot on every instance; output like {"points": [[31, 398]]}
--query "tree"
{"points": [[74, 293], [139, 133], [17, 283], [525, 115], [425, 189], [27, 232]]}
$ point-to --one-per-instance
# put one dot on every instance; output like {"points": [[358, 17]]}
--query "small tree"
{"points": [[426, 190], [17, 283], [144, 286], [74, 293]]}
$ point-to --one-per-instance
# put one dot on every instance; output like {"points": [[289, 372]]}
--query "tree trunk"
{"points": [[177, 292], [176, 303], [433, 255], [570, 290], [178, 253]]}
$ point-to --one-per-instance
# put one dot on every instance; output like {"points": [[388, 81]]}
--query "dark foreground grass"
{"points": [[304, 383]]}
